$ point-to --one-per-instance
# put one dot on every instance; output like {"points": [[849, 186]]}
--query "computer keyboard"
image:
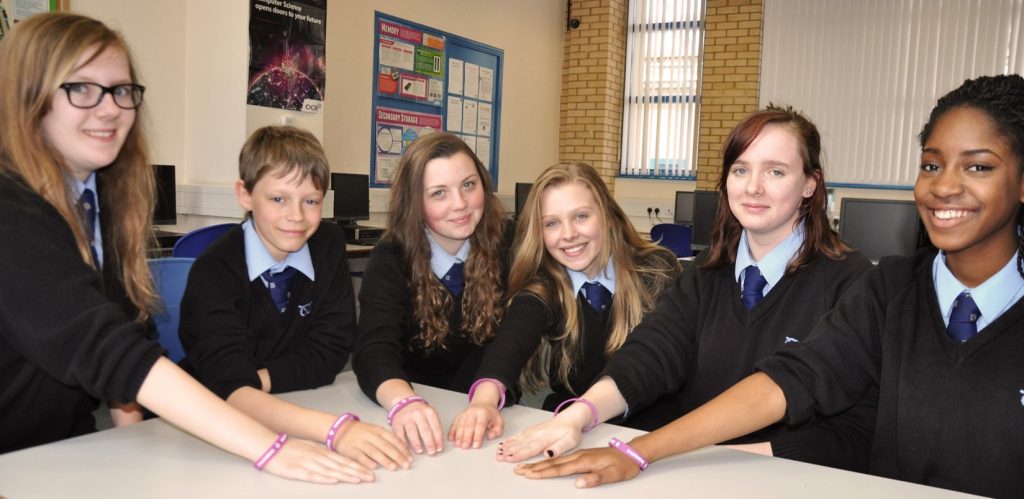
{"points": [[366, 241]]}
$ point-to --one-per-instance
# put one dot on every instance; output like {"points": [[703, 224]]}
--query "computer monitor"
{"points": [[351, 197], [880, 227], [522, 192], [683, 214], [705, 207], [165, 212]]}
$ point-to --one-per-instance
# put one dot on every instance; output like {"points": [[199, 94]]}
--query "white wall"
{"points": [[156, 47], [193, 56]]}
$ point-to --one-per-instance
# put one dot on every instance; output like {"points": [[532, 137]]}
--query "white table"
{"points": [[154, 459]]}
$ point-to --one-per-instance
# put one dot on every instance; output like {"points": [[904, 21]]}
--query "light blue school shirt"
{"points": [[773, 265], [993, 297], [606, 277], [97, 235], [441, 261], [258, 259]]}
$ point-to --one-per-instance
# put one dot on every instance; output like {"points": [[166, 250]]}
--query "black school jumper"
{"points": [[230, 327], [700, 340], [63, 341], [950, 415]]}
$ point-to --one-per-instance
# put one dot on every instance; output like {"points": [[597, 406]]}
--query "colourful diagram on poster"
{"points": [[395, 130], [410, 64]]}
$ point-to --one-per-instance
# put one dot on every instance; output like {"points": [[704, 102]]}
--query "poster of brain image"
{"points": [[287, 54]]}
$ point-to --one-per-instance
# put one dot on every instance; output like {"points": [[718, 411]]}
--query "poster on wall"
{"points": [[287, 54], [410, 63], [396, 129], [428, 80]]}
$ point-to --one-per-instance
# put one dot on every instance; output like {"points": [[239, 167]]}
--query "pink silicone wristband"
{"points": [[334, 428], [401, 405], [271, 452], [501, 386], [630, 452], [593, 411]]}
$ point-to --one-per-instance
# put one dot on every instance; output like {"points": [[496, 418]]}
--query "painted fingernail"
{"points": [[551, 453]]}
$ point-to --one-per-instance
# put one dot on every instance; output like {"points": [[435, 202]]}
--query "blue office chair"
{"points": [[192, 244], [674, 237], [170, 276]]}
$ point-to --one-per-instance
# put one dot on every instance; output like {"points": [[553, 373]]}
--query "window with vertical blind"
{"points": [[662, 92], [869, 72]]}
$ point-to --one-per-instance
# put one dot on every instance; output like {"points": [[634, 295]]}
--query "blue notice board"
{"points": [[427, 80]]}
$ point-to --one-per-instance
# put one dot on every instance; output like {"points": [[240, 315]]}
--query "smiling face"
{"points": [[453, 200], [90, 139], [573, 227], [285, 212], [766, 185], [969, 188]]}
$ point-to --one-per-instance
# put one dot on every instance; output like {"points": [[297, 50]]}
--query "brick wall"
{"points": [[732, 64], [593, 74]]}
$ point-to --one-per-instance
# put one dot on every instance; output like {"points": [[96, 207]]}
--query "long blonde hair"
{"points": [[642, 271], [482, 299], [35, 59]]}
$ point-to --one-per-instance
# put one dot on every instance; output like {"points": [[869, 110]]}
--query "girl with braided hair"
{"points": [[937, 336]]}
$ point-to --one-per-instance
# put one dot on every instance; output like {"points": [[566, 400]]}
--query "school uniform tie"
{"points": [[753, 285], [280, 285], [596, 295], [963, 319], [87, 206], [455, 279]]}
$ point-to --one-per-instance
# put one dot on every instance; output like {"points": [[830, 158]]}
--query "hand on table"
{"points": [[419, 427], [371, 445], [553, 438], [597, 466], [309, 462], [471, 425]]}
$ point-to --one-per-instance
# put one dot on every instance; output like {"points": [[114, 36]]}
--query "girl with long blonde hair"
{"points": [[582, 278]]}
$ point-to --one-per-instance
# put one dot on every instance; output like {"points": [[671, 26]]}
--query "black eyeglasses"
{"points": [[89, 95]]}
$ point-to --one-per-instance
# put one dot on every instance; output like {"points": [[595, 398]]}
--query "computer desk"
{"points": [[154, 459]]}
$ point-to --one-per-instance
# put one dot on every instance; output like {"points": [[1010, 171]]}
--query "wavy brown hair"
{"points": [[819, 238], [642, 270], [482, 308], [35, 59]]}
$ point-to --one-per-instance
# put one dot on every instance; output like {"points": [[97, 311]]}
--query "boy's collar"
{"points": [[258, 259]]}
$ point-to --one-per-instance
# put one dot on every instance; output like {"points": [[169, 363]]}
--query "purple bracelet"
{"points": [[593, 411], [630, 452], [401, 405], [271, 452], [334, 428], [501, 387]]}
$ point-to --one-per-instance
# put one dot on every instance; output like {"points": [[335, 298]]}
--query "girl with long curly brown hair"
{"points": [[581, 280], [432, 292]]}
